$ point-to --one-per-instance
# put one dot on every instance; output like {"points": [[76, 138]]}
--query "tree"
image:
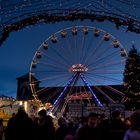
{"points": [[132, 78]]}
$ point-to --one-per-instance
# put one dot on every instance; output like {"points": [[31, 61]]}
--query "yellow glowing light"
{"points": [[25, 105]]}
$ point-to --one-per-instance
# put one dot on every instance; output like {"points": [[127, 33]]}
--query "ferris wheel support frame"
{"points": [[93, 93], [76, 77], [61, 94]]}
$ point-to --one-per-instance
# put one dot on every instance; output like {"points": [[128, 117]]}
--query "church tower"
{"points": [[23, 88]]}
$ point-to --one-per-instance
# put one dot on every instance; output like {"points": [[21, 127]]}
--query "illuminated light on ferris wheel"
{"points": [[78, 68]]}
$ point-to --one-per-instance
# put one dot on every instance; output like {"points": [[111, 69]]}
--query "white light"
{"points": [[40, 108], [25, 105], [51, 115], [20, 103]]}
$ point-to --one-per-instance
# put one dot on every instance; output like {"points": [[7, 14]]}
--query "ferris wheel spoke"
{"points": [[64, 106], [42, 90], [65, 51], [46, 90], [51, 79], [110, 88], [77, 50], [93, 51], [107, 71], [61, 84], [81, 48], [100, 57], [54, 66], [75, 45], [52, 95], [101, 53], [101, 91], [103, 59], [115, 90], [105, 77], [118, 62], [86, 53], [61, 56], [48, 57], [72, 91], [69, 46], [56, 79], [50, 71]]}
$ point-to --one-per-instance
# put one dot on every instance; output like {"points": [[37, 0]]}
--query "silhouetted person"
{"points": [[19, 127], [133, 133], [2, 129], [62, 129], [90, 130], [68, 137], [46, 129], [116, 127]]}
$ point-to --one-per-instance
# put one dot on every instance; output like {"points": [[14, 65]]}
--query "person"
{"points": [[46, 129], [2, 129], [19, 126], [62, 129], [116, 127], [133, 133], [68, 137], [89, 131], [83, 122]]}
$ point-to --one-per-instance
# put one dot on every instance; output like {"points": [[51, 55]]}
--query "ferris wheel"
{"points": [[78, 63]]}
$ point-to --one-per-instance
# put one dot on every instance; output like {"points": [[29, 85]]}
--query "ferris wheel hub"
{"points": [[78, 68]]}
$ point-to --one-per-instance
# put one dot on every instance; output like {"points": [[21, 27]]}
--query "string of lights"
{"points": [[16, 15]]}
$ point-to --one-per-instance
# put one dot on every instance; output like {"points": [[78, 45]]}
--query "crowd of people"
{"points": [[93, 127]]}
